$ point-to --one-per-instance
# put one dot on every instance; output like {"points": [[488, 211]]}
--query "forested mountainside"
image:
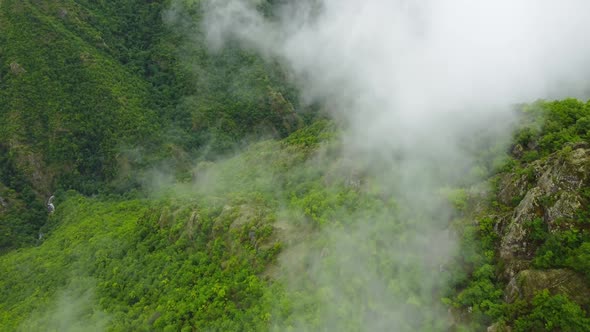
{"points": [[94, 91], [194, 192]]}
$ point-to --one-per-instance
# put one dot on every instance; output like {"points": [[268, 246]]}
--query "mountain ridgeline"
{"points": [[194, 191]]}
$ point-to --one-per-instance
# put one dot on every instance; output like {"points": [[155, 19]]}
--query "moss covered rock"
{"points": [[558, 281], [552, 199]]}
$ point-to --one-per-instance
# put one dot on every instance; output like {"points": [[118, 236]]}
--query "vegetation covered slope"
{"points": [[527, 245], [205, 253], [189, 259], [94, 92], [64, 97]]}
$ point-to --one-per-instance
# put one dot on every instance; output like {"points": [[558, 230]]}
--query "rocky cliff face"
{"points": [[548, 198], [551, 191], [558, 281]]}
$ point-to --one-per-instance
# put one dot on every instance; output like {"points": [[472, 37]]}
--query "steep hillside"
{"points": [[68, 108], [95, 92], [196, 257], [219, 251], [65, 97], [530, 271], [193, 191]]}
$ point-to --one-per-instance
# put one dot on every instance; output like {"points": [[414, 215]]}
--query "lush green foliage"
{"points": [[142, 265], [95, 95], [552, 313], [201, 255], [21, 214], [550, 125], [547, 128], [94, 92]]}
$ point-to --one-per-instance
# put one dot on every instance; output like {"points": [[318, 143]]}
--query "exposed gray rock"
{"points": [[513, 266], [567, 172], [512, 186], [561, 214], [514, 242], [16, 69], [50, 205], [546, 182], [553, 196], [499, 327], [192, 225], [558, 281], [517, 151]]}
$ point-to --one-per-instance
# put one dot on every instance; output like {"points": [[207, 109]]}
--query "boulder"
{"points": [[16, 69], [499, 327]]}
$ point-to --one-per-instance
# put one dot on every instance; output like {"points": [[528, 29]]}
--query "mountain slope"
{"points": [[193, 192], [93, 93]]}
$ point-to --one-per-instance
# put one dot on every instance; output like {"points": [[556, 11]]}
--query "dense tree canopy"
{"points": [[191, 187]]}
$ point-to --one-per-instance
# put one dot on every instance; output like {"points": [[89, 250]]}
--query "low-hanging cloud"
{"points": [[411, 81], [407, 60], [417, 76]]}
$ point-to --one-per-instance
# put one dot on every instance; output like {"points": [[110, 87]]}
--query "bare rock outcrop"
{"points": [[551, 193], [16, 69], [558, 281]]}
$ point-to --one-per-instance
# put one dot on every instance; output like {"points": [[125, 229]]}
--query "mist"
{"points": [[399, 65], [416, 78], [411, 83], [72, 309]]}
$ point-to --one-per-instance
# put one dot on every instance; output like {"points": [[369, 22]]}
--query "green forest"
{"points": [[195, 191]]}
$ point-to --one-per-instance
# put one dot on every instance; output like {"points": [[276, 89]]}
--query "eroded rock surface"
{"points": [[551, 194], [558, 281]]}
